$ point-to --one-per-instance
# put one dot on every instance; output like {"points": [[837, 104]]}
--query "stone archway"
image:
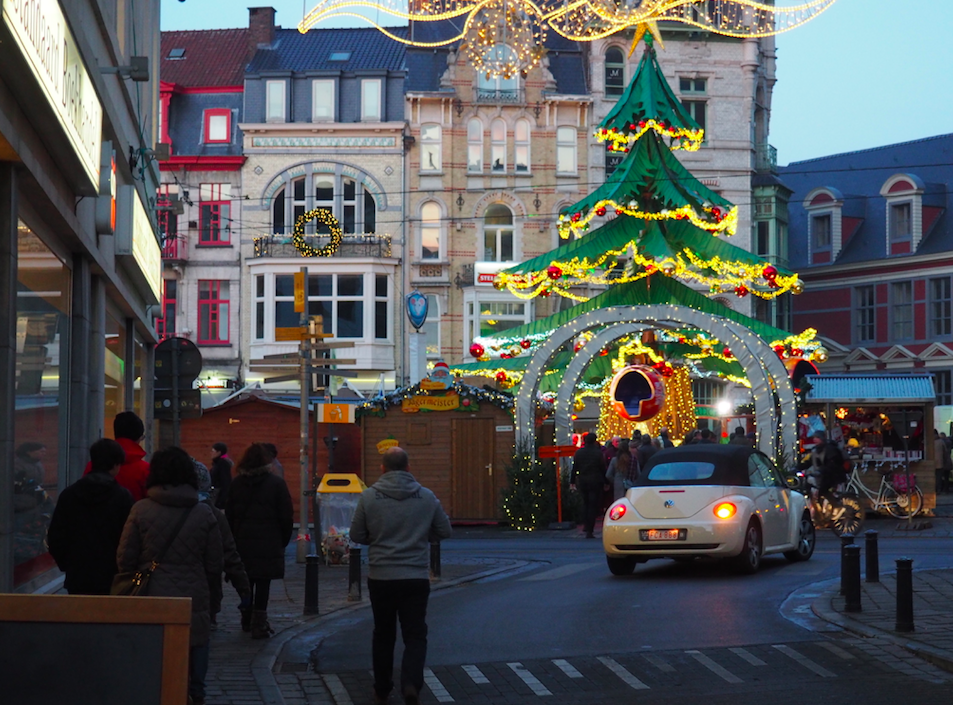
{"points": [[765, 371]]}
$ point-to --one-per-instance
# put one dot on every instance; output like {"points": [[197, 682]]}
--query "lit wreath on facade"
{"points": [[325, 217]]}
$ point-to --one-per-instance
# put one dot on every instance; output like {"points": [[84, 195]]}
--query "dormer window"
{"points": [[824, 225], [176, 54], [904, 212]]}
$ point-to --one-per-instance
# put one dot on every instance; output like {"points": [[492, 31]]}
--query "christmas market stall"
{"points": [[885, 425], [459, 439]]}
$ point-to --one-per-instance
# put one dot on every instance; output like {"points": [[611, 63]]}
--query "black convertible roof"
{"points": [[730, 461]]}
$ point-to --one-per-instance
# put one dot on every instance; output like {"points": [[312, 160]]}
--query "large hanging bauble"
{"points": [[637, 393], [476, 350], [820, 355]]}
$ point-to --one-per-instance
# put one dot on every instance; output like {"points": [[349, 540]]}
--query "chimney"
{"points": [[261, 28]]}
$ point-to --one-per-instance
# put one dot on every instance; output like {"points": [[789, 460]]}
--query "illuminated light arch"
{"points": [[764, 369]]}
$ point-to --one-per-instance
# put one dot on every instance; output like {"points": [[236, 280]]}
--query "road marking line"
{"points": [[561, 572], [805, 661], [714, 667], [529, 679], [837, 651], [476, 675], [567, 668], [748, 656], [338, 691], [659, 663], [626, 677], [436, 687]]}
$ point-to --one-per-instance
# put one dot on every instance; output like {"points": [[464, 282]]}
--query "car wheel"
{"points": [[749, 560], [621, 565], [806, 538]]}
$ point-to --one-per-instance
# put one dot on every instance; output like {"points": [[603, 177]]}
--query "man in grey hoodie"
{"points": [[397, 519]]}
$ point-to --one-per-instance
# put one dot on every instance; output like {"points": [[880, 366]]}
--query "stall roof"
{"points": [[870, 389]]}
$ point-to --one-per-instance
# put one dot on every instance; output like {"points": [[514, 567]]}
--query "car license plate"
{"points": [[662, 534]]}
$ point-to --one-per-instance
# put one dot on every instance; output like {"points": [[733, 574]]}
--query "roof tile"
{"points": [[213, 58]]}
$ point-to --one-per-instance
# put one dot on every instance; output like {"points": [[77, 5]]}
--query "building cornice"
{"points": [[202, 162]]}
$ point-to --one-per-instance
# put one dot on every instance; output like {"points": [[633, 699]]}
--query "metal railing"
{"points": [[175, 248], [365, 245], [514, 95], [766, 159]]}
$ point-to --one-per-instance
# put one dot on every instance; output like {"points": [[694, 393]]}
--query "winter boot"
{"points": [[260, 629], [246, 619]]}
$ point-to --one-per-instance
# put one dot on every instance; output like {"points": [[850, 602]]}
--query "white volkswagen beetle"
{"points": [[723, 501]]}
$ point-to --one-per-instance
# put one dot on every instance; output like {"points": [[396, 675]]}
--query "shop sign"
{"points": [[335, 413], [44, 38], [412, 405], [383, 445], [137, 237], [485, 272]]}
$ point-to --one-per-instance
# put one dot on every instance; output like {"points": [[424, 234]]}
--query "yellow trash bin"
{"points": [[337, 495]]}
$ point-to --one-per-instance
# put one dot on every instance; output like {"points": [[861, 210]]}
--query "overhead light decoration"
{"points": [[522, 25]]}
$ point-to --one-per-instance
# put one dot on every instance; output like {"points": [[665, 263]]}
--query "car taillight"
{"points": [[617, 512], [725, 510]]}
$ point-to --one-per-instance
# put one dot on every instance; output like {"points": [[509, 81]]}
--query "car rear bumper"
{"points": [[708, 538]]}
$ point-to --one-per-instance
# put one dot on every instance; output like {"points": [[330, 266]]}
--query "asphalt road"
{"points": [[672, 632]]}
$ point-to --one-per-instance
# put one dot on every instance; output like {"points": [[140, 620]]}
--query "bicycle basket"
{"points": [[899, 482]]}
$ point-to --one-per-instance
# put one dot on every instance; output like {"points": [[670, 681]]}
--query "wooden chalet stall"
{"points": [[253, 418], [881, 421], [459, 440]]}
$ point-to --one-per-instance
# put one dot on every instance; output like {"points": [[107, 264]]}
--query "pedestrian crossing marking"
{"points": [[747, 656], [436, 687], [626, 677], [337, 689], [714, 667], [567, 668], [805, 661], [529, 679], [836, 650], [561, 572], [659, 663], [476, 675]]}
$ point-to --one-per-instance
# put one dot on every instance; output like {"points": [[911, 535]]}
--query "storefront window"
{"points": [[43, 292], [115, 363]]}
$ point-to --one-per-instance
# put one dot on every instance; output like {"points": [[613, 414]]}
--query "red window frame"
{"points": [[218, 112], [213, 232], [210, 311], [168, 306]]}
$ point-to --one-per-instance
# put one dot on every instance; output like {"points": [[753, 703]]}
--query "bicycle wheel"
{"points": [[902, 504], [848, 517]]}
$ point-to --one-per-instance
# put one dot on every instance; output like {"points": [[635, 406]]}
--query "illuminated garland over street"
{"points": [[521, 25], [682, 137]]}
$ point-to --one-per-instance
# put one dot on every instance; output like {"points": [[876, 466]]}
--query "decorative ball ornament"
{"points": [[741, 291], [525, 344], [554, 272], [796, 352], [325, 217], [600, 211], [637, 393], [668, 268], [779, 349], [501, 376], [820, 354], [727, 352], [579, 405], [499, 284], [770, 272], [797, 287], [476, 350], [466, 402]]}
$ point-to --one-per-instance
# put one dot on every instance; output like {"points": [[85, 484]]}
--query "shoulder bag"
{"points": [[135, 583]]}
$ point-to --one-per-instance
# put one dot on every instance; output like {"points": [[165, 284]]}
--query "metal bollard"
{"points": [[845, 541], [851, 578], [435, 561], [873, 557], [905, 595], [311, 584], [354, 575]]}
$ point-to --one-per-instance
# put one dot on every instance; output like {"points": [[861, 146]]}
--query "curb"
{"points": [[822, 608]]}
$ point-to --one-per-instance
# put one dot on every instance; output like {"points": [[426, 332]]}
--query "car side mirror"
{"points": [[792, 481]]}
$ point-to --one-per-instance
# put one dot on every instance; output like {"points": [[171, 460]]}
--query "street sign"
{"points": [[296, 333], [331, 372], [557, 451], [337, 345], [299, 292], [189, 362], [293, 357], [190, 403], [283, 378], [335, 413]]}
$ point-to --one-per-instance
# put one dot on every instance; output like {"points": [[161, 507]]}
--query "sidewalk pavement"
{"points": [[243, 671]]}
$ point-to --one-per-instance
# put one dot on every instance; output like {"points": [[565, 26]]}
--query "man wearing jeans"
{"points": [[397, 519]]}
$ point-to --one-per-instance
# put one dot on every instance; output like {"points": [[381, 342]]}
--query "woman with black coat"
{"points": [[259, 511]]}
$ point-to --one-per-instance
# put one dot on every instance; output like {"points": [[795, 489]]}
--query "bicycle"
{"points": [[844, 516], [887, 497]]}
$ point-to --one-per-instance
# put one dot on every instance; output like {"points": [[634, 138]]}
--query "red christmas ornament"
{"points": [[600, 211], [770, 272], [631, 125], [741, 291], [641, 124], [505, 356], [779, 349], [576, 217], [716, 211], [603, 352], [525, 344], [476, 350], [668, 371], [554, 272], [773, 283], [544, 292], [465, 402], [727, 352], [796, 352], [501, 376], [619, 211]]}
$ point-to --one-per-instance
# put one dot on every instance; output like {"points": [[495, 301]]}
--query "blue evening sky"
{"points": [[865, 73]]}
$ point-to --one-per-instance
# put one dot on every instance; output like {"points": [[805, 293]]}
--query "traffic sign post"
{"points": [[178, 363]]}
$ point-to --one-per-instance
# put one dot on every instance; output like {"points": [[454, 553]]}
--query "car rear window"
{"points": [[685, 471]]}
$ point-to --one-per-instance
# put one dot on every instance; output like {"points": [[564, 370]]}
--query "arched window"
{"points": [[430, 147], [615, 71], [430, 231], [324, 199], [498, 146], [522, 155], [498, 234], [497, 88], [475, 145], [348, 200]]}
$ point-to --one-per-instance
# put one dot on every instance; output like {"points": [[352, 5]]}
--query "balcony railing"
{"points": [[766, 159], [174, 248], [514, 95], [366, 245]]}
